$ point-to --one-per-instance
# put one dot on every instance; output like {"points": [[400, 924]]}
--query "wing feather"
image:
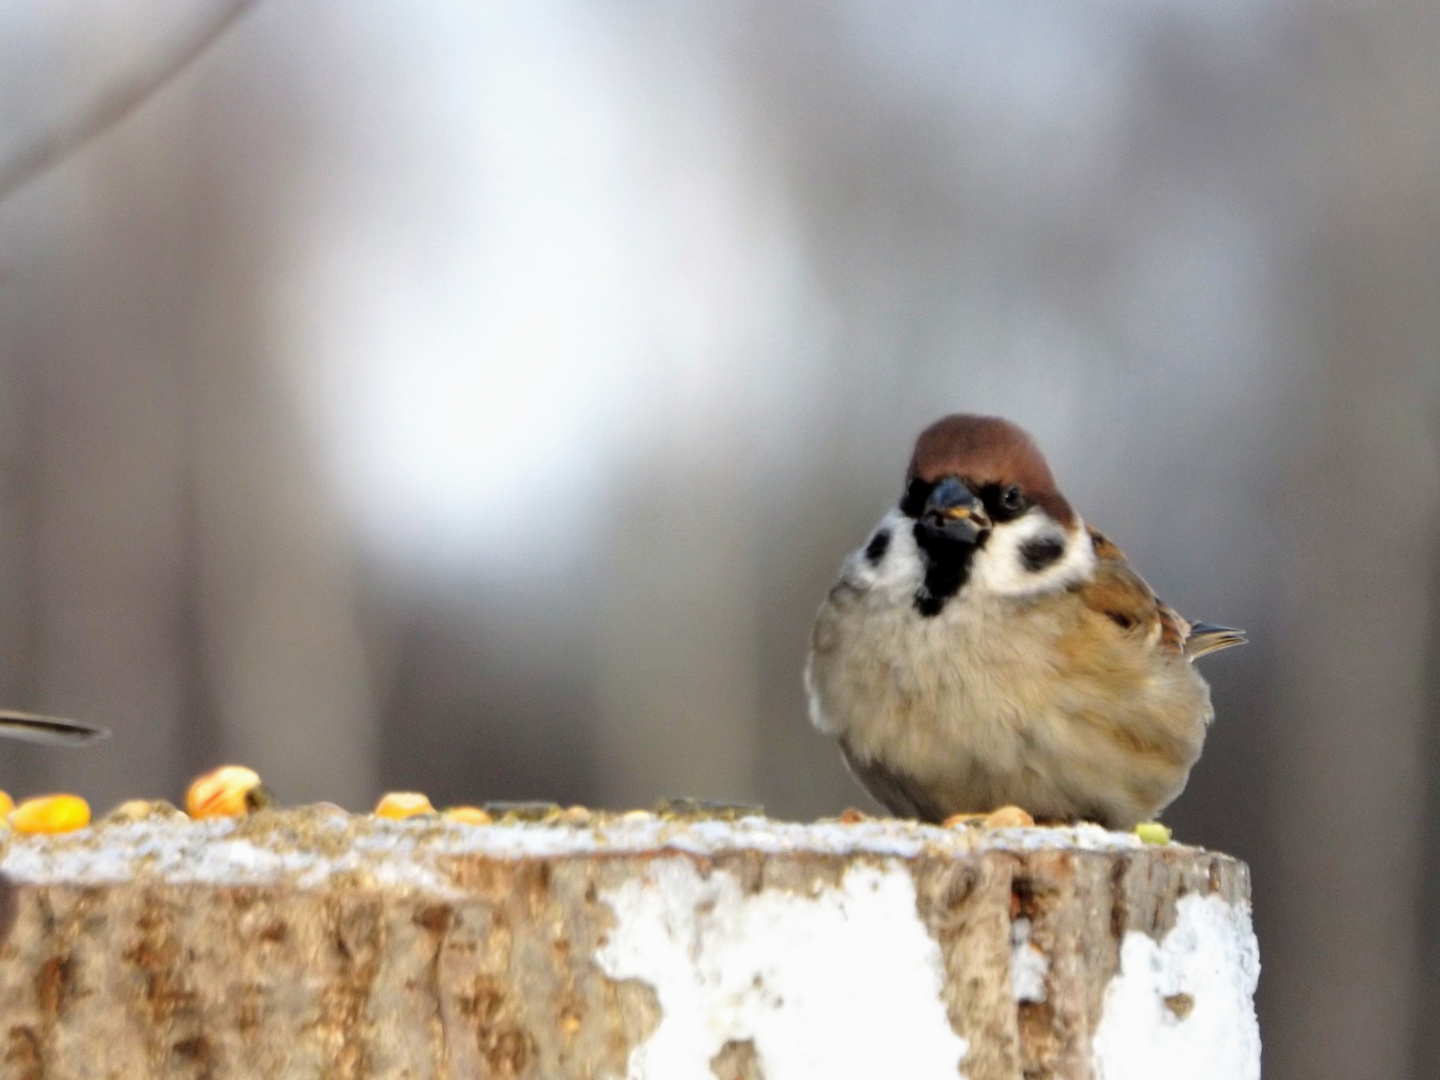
{"points": [[1120, 594]]}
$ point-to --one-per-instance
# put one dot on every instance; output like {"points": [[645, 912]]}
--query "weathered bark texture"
{"points": [[300, 944]]}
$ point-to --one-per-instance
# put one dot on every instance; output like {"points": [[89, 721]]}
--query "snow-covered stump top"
{"points": [[311, 943]]}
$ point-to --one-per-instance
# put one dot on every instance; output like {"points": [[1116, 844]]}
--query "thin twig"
{"points": [[52, 147]]}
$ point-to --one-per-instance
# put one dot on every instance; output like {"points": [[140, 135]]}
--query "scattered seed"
{"points": [[467, 815], [1008, 817], [229, 791], [397, 805], [1152, 832], [51, 814]]}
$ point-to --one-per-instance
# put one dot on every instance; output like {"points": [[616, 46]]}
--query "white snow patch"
{"points": [[413, 853], [844, 983], [1028, 964], [207, 852], [1210, 1033]]}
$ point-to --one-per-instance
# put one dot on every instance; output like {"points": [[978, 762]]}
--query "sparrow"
{"points": [[985, 647], [47, 729]]}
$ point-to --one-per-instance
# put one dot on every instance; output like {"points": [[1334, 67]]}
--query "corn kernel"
{"points": [[467, 815], [957, 821], [1152, 832], [6, 804], [229, 791], [576, 815], [1009, 817], [51, 814], [402, 804]]}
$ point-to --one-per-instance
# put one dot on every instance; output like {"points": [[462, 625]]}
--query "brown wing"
{"points": [[1122, 595]]}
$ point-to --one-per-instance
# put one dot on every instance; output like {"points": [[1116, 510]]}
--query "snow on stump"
{"points": [[312, 943]]}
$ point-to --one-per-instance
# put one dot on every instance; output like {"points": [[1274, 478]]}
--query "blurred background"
{"points": [[480, 397]]}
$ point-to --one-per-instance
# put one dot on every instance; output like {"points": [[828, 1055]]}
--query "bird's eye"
{"points": [[1011, 498]]}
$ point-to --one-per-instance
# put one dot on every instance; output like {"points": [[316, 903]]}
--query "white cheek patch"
{"points": [[1000, 568], [899, 571]]}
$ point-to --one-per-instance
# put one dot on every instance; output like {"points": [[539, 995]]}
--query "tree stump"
{"points": [[312, 943]]}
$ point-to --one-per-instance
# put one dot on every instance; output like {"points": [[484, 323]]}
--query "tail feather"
{"points": [[1206, 638], [47, 729]]}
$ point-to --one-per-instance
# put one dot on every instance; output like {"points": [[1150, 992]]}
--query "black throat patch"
{"points": [[947, 568], [947, 562]]}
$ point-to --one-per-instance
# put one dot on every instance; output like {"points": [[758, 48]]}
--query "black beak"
{"points": [[953, 511]]}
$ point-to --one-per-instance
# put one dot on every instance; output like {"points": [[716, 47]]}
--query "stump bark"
{"points": [[308, 943]]}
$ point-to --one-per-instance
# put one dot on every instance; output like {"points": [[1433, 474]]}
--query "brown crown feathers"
{"points": [[984, 450]]}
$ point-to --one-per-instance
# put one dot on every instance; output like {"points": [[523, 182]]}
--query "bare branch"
{"points": [[50, 148]]}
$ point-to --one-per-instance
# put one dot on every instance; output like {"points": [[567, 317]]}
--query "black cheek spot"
{"points": [[879, 544], [1037, 554]]}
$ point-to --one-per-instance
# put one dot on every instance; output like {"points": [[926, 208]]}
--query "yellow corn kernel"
{"points": [[465, 815], [1152, 832], [6, 804], [229, 791], [51, 814], [402, 804], [1009, 817]]}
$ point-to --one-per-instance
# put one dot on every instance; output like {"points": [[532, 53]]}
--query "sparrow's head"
{"points": [[986, 511]]}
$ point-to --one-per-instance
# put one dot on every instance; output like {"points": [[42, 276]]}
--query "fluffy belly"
{"points": [[973, 709]]}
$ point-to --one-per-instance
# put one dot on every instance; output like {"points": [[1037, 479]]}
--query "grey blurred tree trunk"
{"points": [[102, 308], [1362, 504], [1427, 1035], [181, 575], [675, 632]]}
